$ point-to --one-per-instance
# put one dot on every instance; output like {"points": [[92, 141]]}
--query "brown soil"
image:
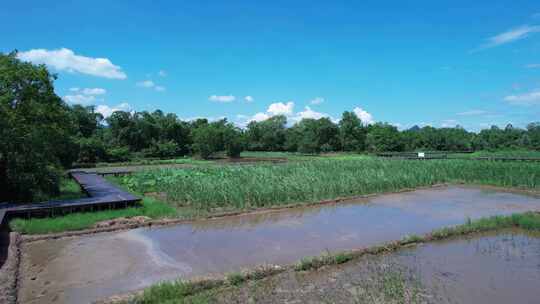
{"points": [[122, 221], [9, 272]]}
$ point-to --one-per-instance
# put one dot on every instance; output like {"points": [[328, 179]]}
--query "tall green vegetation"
{"points": [[267, 185], [36, 132]]}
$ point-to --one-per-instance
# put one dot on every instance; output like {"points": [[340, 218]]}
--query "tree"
{"points": [[267, 135], [313, 136], [37, 132], [216, 137], [352, 134], [383, 137], [533, 132]]}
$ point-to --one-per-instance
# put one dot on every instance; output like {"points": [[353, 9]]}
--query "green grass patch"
{"points": [[527, 221], [69, 189], [501, 153], [265, 185], [83, 220], [144, 162], [178, 292]]}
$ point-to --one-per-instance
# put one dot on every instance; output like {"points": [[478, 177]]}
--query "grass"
{"points": [[143, 162], [389, 287], [248, 187], [500, 153], [192, 193], [69, 189], [82, 220], [389, 284]]}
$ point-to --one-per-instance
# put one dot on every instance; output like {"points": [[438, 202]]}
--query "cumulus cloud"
{"points": [[149, 84], [527, 99], [81, 99], [277, 108], [85, 96], [280, 108], [511, 35], [309, 113], [94, 91], [260, 117], [471, 113], [222, 98], [107, 111], [364, 116], [66, 60], [316, 100], [249, 99]]}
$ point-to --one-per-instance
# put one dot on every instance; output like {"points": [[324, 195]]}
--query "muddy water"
{"points": [[483, 269], [84, 269]]}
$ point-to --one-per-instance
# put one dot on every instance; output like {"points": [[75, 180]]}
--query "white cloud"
{"points": [[277, 108], [280, 108], [74, 89], [107, 111], [94, 91], [249, 99], [317, 100], [364, 116], [309, 113], [222, 98], [527, 99], [162, 73], [471, 113], [80, 99], [149, 84], [66, 60], [510, 36], [533, 65], [259, 117]]}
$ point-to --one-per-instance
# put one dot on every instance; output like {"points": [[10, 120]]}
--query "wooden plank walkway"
{"points": [[102, 195]]}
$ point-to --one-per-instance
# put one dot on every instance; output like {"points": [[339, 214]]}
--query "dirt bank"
{"points": [[9, 273]]}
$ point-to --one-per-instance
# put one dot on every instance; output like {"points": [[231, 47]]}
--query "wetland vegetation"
{"points": [[200, 192]]}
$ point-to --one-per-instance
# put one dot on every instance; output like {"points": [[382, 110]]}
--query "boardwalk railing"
{"points": [[101, 195]]}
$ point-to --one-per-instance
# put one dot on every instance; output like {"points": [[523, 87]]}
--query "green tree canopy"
{"points": [[36, 131]]}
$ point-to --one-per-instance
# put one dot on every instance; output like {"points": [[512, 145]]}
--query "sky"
{"points": [[440, 63]]}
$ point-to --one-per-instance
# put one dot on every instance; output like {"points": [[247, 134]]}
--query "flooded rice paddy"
{"points": [[491, 268], [85, 269]]}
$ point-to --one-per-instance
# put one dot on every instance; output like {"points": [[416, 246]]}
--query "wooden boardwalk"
{"points": [[101, 195]]}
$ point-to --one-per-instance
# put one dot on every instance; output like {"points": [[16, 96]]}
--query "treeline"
{"points": [[126, 135], [40, 135]]}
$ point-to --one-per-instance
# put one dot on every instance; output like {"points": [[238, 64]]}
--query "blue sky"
{"points": [[473, 63]]}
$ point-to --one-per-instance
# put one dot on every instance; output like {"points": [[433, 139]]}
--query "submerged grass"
{"points": [[391, 287], [247, 187], [83, 220]]}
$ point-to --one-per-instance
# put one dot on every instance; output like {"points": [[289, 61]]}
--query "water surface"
{"points": [[493, 268], [87, 268]]}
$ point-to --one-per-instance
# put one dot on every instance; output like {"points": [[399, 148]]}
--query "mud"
{"points": [[84, 269]]}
